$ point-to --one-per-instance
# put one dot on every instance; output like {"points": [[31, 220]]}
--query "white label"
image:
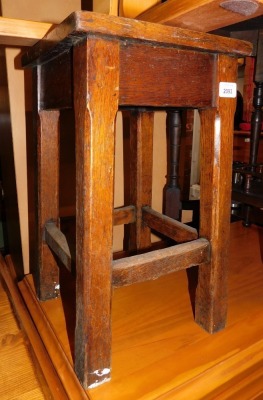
{"points": [[228, 89]]}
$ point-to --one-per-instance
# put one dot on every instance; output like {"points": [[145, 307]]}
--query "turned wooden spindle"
{"points": [[256, 123], [172, 194]]}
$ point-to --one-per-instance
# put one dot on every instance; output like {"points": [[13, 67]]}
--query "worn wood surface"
{"points": [[201, 15], [137, 71], [47, 206], [138, 235], [168, 226], [96, 68], [78, 24], [109, 72], [60, 83], [152, 265], [183, 13], [57, 242], [139, 74], [215, 180], [124, 215], [153, 326]]}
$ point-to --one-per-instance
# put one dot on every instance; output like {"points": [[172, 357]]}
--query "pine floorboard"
{"points": [[20, 375]]}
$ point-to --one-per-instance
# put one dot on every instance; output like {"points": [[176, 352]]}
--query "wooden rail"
{"points": [[168, 226], [149, 266], [57, 241], [18, 32]]}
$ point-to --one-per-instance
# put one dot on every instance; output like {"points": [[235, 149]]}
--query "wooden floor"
{"points": [[20, 375], [158, 350]]}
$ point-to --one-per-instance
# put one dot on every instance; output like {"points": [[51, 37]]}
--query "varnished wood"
{"points": [[241, 148], [18, 32], [153, 265], [107, 74], [59, 83], [168, 226], [78, 24], [94, 142], [172, 193], [32, 333], [47, 208], [201, 15], [110, 7], [150, 325], [216, 160], [58, 244], [61, 363], [146, 72], [140, 176], [256, 122], [124, 215], [247, 198], [131, 9]]}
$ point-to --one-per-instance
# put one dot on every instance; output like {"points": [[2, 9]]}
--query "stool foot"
{"points": [[211, 303]]}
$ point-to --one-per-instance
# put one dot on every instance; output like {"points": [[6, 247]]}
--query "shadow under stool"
{"points": [[96, 65]]}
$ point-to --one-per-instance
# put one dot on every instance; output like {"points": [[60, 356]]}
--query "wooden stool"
{"points": [[97, 64]]}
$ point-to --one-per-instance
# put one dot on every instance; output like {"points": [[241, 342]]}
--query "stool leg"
{"points": [[172, 193], [96, 104], [141, 123], [215, 201], [47, 274]]}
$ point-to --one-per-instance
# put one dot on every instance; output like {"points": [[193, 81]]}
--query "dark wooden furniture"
{"points": [[248, 188], [176, 192], [241, 148], [98, 64]]}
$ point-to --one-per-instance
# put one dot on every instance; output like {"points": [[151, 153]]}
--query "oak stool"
{"points": [[96, 65]]}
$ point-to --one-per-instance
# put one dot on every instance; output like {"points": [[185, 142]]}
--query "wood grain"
{"points": [[82, 23], [139, 74], [110, 70], [152, 265], [95, 67], [168, 226], [14, 339], [131, 9], [18, 32], [124, 215], [47, 205], [215, 179], [61, 362], [200, 15], [138, 234], [158, 352], [57, 242]]}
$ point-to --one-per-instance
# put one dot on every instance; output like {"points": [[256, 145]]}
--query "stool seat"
{"points": [[96, 65]]}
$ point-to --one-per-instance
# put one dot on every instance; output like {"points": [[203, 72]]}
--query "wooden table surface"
{"points": [[201, 15]]}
